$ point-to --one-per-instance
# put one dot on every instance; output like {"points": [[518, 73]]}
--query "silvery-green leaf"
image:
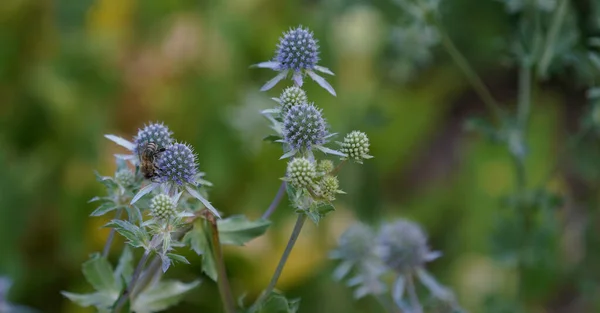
{"points": [[166, 263], [269, 64], [99, 273], [161, 296], [431, 283], [137, 237], [178, 258], [100, 299], [124, 269], [104, 208], [199, 240], [342, 270], [323, 70], [121, 142], [398, 289], [270, 84], [176, 197], [277, 303], [330, 151], [144, 191], [321, 81], [238, 230], [125, 156], [272, 138], [94, 199], [271, 111], [288, 154], [276, 100], [134, 213], [206, 203], [297, 78]]}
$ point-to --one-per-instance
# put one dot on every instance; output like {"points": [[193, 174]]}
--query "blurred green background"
{"points": [[71, 71]]}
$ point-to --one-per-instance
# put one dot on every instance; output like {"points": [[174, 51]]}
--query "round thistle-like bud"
{"points": [[125, 177], [301, 172], [355, 244], [325, 166], [162, 207], [178, 164], [157, 133], [304, 127], [402, 246], [329, 187], [297, 50], [356, 146], [290, 97]]}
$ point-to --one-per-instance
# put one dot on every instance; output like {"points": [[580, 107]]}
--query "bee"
{"points": [[147, 155]]}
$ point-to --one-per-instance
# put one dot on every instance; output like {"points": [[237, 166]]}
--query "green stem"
{"points": [[555, 26], [111, 236], [286, 253], [275, 203], [412, 294], [386, 304], [472, 76], [125, 295], [222, 281]]}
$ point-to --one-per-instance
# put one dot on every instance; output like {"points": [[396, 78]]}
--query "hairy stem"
{"points": [[472, 76], [127, 292], [111, 236], [275, 203], [222, 281], [412, 294], [286, 253]]}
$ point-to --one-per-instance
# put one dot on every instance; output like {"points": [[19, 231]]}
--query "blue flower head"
{"points": [[304, 127], [155, 132], [297, 53], [178, 165]]}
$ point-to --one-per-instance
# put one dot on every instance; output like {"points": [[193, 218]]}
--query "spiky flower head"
{"points": [[162, 207], [290, 97], [356, 146], [301, 172], [325, 166], [125, 177], [402, 246], [157, 133], [329, 187], [178, 164], [304, 127], [297, 50], [355, 244]]}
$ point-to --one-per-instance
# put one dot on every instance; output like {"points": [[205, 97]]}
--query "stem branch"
{"points": [[275, 202], [286, 253], [412, 294], [111, 236], [222, 281], [127, 292]]}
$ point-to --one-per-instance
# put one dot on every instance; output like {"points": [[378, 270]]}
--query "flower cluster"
{"points": [[178, 164], [157, 133], [304, 127]]}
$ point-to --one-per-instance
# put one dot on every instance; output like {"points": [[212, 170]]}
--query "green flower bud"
{"points": [[329, 187], [125, 177], [301, 172], [290, 97], [356, 146], [162, 207], [325, 166]]}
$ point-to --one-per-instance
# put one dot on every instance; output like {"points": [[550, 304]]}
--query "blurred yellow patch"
{"points": [[111, 18], [494, 177]]}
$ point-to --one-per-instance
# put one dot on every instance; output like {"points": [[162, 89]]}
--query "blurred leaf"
{"points": [[162, 296], [277, 303], [238, 230], [178, 258], [272, 138], [99, 273], [124, 269], [198, 239], [137, 237], [483, 127], [100, 299], [104, 208]]}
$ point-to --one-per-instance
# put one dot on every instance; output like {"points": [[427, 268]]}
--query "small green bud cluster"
{"points": [[292, 96], [356, 146], [125, 177], [301, 172], [325, 167], [329, 187], [162, 207]]}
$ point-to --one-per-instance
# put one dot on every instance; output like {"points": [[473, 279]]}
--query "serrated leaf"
{"points": [[134, 214], [162, 296], [144, 191], [324, 209], [104, 208], [136, 236], [99, 273], [178, 258], [238, 230], [99, 299], [124, 269], [198, 239]]}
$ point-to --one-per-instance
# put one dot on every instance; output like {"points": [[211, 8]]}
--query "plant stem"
{"points": [[472, 76], [412, 294], [286, 253], [555, 26], [127, 292], [111, 236], [386, 304], [222, 281], [338, 168], [275, 203]]}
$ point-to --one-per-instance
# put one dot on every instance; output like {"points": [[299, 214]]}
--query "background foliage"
{"points": [[71, 71]]}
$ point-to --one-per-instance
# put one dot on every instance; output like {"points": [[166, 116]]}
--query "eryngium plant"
{"points": [[399, 250]]}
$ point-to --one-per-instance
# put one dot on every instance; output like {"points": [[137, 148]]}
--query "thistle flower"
{"points": [[162, 207], [325, 166], [329, 187], [298, 53], [356, 146], [301, 172], [125, 177], [157, 133], [291, 96], [178, 164], [402, 246]]}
